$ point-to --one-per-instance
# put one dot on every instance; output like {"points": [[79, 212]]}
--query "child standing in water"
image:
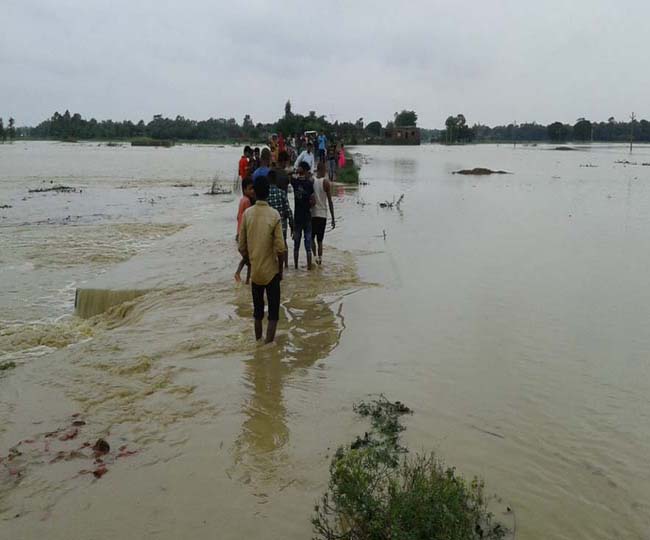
{"points": [[244, 203], [323, 200]]}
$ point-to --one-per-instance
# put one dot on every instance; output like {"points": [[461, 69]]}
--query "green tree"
{"points": [[374, 129], [582, 130], [450, 131], [11, 129], [287, 109], [465, 133], [558, 132], [247, 125], [457, 130], [406, 118], [3, 135]]}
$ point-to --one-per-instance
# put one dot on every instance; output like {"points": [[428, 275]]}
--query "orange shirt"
{"points": [[243, 167], [244, 203]]}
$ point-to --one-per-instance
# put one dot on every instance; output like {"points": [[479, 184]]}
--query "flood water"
{"points": [[511, 312]]}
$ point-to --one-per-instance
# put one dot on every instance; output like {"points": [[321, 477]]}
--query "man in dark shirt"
{"points": [[278, 200], [255, 160], [264, 166], [303, 192], [281, 174], [331, 162]]}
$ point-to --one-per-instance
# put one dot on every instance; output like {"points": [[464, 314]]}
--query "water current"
{"points": [[510, 312]]}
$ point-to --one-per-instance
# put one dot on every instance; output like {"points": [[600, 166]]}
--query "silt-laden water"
{"points": [[510, 312]]}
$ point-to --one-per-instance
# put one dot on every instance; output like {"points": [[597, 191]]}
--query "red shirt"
{"points": [[244, 203], [243, 167]]}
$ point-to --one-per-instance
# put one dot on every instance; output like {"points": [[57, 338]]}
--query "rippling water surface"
{"points": [[510, 312]]}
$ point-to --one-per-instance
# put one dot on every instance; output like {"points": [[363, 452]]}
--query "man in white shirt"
{"points": [[306, 156]]}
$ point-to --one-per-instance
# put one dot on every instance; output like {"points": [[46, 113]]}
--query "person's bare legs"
{"points": [[316, 248], [258, 329], [270, 331]]}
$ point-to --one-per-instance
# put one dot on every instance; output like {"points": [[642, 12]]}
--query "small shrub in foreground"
{"points": [[375, 493]]}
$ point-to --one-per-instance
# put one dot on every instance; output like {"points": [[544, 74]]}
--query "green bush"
{"points": [[145, 141], [350, 173], [376, 493]]}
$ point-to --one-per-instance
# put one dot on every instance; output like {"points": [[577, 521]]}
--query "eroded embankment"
{"points": [[133, 380]]}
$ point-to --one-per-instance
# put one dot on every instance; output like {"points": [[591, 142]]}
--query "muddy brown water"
{"points": [[510, 312]]}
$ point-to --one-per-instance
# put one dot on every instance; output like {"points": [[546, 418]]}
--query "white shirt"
{"points": [[320, 208], [305, 156]]}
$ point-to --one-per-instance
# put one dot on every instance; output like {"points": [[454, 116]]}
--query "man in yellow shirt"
{"points": [[261, 240]]}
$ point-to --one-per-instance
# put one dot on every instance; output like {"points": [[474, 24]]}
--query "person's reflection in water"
{"points": [[313, 332]]}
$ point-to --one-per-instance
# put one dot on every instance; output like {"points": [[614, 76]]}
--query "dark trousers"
{"points": [[272, 289], [300, 229], [318, 225], [331, 168]]}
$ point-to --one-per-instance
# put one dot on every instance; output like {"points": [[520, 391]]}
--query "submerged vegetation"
{"points": [[55, 188], [5, 366], [146, 141], [217, 189], [376, 492], [479, 171]]}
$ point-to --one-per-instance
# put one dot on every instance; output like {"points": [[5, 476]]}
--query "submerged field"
{"points": [[510, 312]]}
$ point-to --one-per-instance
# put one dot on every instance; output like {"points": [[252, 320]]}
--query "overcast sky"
{"points": [[495, 61]]}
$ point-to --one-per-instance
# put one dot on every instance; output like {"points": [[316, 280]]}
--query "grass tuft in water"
{"points": [[349, 174], [376, 492]]}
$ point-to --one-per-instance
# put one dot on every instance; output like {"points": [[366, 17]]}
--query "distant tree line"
{"points": [[68, 126], [457, 131]]}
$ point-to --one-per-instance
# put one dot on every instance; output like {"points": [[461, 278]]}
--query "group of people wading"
{"points": [[265, 217]]}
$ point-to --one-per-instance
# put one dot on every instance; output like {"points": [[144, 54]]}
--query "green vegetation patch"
{"points": [[350, 173], [377, 492], [5, 366], [144, 141]]}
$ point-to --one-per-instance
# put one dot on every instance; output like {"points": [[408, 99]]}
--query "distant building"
{"points": [[402, 135]]}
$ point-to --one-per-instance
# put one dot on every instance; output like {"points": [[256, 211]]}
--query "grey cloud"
{"points": [[495, 61]]}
